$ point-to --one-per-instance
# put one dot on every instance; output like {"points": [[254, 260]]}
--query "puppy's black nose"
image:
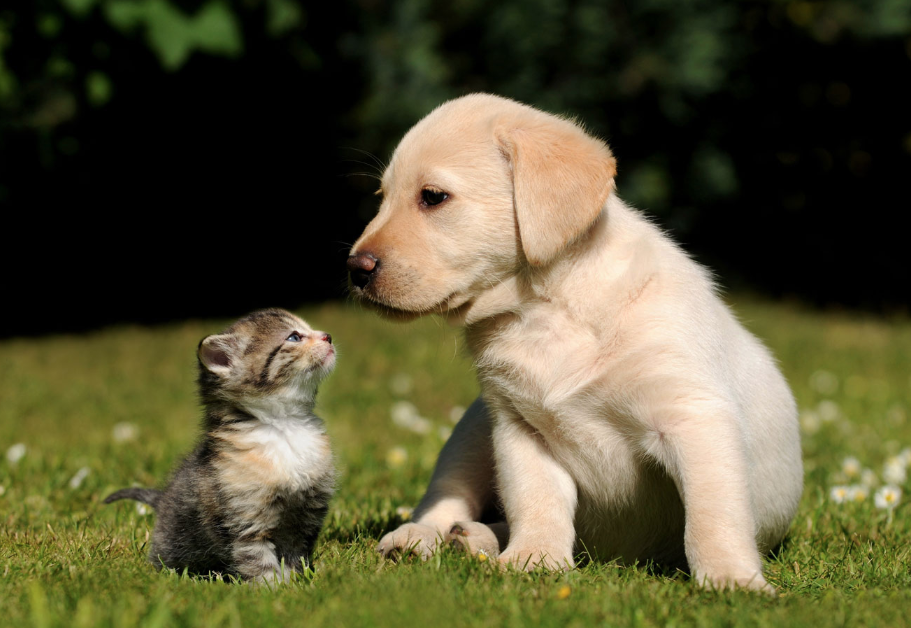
{"points": [[327, 338], [361, 267]]}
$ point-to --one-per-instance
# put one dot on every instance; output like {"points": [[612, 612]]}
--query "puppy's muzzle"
{"points": [[362, 267]]}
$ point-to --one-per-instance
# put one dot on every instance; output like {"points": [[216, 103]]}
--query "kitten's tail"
{"points": [[148, 496]]}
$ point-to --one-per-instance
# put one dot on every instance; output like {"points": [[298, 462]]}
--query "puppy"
{"points": [[623, 408]]}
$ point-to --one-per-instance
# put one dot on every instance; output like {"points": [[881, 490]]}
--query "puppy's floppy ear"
{"points": [[561, 179], [216, 353]]}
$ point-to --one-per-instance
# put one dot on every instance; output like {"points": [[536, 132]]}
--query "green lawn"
{"points": [[68, 560]]}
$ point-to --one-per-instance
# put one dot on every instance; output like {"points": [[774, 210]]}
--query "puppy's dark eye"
{"points": [[432, 197], [295, 337]]}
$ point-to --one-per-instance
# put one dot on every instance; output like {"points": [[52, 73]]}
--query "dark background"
{"points": [[163, 159]]}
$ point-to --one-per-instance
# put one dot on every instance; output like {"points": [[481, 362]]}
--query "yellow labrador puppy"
{"points": [[624, 410]]}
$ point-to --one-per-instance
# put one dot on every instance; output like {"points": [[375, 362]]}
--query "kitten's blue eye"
{"points": [[295, 337]]}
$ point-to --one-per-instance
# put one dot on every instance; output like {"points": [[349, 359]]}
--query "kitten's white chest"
{"points": [[280, 450], [298, 450]]}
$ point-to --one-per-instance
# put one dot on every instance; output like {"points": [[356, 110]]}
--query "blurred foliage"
{"points": [[726, 117]]}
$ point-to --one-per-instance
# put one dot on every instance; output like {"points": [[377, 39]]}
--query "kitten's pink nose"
{"points": [[326, 338]]}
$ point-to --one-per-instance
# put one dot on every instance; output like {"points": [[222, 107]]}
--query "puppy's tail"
{"points": [[148, 496]]}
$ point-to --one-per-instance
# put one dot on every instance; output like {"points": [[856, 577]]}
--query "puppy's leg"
{"points": [[460, 489], [704, 452], [539, 498]]}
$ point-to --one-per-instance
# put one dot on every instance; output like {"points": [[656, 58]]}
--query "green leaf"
{"points": [[79, 8], [98, 88], [282, 16], [215, 30]]}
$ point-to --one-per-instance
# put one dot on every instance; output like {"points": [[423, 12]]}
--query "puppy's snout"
{"points": [[326, 338], [361, 267]]}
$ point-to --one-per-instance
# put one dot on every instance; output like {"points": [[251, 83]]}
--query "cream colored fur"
{"points": [[624, 410]]}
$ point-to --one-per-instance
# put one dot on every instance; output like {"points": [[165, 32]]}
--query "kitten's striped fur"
{"points": [[251, 498]]}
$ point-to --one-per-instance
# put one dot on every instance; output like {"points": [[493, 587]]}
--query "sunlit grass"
{"points": [[81, 416]]}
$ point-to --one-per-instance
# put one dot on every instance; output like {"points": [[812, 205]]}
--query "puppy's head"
{"points": [[480, 188]]}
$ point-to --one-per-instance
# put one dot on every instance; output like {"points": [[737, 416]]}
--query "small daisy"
{"points": [[905, 456], [850, 466], [888, 497], [124, 432], [143, 510], [456, 413], [858, 493], [828, 410], [401, 384], [81, 474], [396, 457], [404, 512], [895, 471], [15, 453], [839, 494], [810, 422], [444, 432], [482, 556], [869, 478], [405, 415], [2, 490], [824, 382]]}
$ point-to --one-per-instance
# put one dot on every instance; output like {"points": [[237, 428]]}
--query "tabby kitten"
{"points": [[251, 498]]}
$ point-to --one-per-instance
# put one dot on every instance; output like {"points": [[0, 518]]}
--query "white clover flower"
{"points": [[895, 471], [824, 382], [15, 453], [124, 432], [396, 457], [888, 497], [858, 493], [405, 415], [77, 479], [455, 413], [143, 509], [839, 494], [869, 478], [404, 512], [828, 410], [810, 422], [401, 384], [850, 466]]}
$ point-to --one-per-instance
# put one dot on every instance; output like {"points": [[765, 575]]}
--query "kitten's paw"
{"points": [[474, 537], [749, 582], [410, 538], [530, 560]]}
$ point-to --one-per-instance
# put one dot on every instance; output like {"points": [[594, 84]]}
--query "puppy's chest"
{"points": [[548, 370]]}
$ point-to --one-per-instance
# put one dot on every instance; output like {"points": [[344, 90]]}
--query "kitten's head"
{"points": [[269, 353]]}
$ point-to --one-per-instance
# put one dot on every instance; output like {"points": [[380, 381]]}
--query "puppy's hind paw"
{"points": [[476, 538], [410, 538], [753, 582]]}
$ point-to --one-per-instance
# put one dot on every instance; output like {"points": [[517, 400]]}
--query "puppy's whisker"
{"points": [[379, 162]]}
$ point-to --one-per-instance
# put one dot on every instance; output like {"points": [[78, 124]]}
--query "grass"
{"points": [[68, 560]]}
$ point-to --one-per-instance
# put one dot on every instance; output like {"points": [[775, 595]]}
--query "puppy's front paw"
{"points": [[410, 538], [750, 582], [475, 538], [529, 560]]}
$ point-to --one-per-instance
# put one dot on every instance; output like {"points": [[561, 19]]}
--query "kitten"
{"points": [[251, 498]]}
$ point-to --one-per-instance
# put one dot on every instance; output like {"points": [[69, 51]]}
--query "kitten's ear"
{"points": [[216, 353]]}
